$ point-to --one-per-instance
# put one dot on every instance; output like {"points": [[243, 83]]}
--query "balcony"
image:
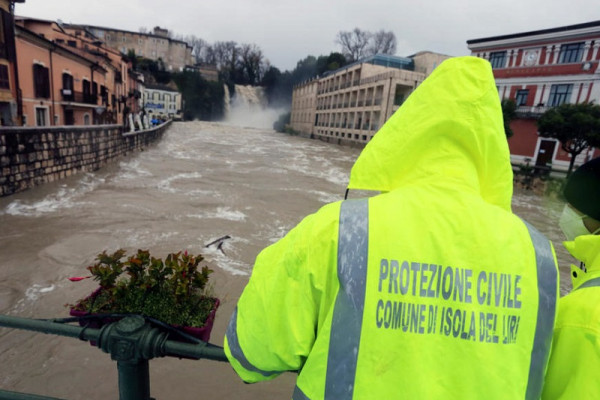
{"points": [[78, 97], [531, 111]]}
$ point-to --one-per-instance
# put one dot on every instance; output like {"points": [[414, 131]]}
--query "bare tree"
{"points": [[252, 66], [199, 47], [382, 42], [354, 43], [143, 29]]}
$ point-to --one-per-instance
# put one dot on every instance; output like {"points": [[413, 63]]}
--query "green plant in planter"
{"points": [[174, 291]]}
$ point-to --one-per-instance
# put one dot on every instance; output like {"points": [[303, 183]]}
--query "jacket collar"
{"points": [[585, 248]]}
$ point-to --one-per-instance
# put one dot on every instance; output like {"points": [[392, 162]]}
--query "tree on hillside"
{"points": [[305, 69], [198, 46], [251, 64], [382, 42], [278, 87], [202, 99], [509, 112], [357, 44], [354, 43], [330, 63], [576, 126]]}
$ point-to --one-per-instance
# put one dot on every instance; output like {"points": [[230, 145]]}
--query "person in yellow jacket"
{"points": [[575, 357], [432, 289]]}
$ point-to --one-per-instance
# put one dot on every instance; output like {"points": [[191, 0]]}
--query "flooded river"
{"points": [[201, 182]]}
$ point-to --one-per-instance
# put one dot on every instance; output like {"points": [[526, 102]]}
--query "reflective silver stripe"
{"points": [[236, 350], [591, 283], [547, 287], [347, 316], [299, 394]]}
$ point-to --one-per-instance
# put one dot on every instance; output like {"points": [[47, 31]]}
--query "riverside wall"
{"points": [[36, 155]]}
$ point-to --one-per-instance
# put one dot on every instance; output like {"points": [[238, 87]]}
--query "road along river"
{"points": [[201, 182]]}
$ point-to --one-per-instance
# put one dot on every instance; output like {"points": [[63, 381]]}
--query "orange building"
{"points": [[88, 82]]}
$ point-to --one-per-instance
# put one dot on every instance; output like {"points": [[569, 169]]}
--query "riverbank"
{"points": [[38, 155]]}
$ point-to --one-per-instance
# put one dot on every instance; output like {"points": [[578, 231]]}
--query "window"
{"points": [[570, 53], [41, 81], [41, 116], [498, 59], [398, 96], [86, 119], [2, 13], [559, 94], [104, 95], [4, 82], [72, 43], [521, 98], [69, 117], [67, 87], [86, 90]]}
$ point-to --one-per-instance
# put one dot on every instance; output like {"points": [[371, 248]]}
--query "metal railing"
{"points": [[131, 342]]}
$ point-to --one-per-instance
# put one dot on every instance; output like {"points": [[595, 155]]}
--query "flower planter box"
{"points": [[172, 291], [201, 333]]}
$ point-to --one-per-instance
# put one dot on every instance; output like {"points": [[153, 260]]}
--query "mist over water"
{"points": [[200, 182], [248, 107]]}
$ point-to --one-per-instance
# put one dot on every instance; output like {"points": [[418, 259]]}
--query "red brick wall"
{"points": [[525, 137]]}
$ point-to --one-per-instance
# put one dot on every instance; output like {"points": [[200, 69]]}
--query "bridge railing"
{"points": [[131, 342]]}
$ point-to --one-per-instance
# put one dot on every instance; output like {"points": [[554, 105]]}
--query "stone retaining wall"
{"points": [[32, 156]]}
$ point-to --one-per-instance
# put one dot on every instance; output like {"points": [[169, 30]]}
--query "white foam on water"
{"points": [[131, 171], [221, 213], [66, 197], [165, 184], [33, 293]]}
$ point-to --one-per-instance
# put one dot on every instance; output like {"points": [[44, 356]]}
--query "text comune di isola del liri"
{"points": [[494, 300]]}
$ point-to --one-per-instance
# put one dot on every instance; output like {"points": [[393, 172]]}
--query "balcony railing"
{"points": [[78, 97], [531, 111]]}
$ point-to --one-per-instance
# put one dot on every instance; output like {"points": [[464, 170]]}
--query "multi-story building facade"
{"points": [[175, 54], [162, 102], [539, 70], [69, 79], [10, 104], [350, 104]]}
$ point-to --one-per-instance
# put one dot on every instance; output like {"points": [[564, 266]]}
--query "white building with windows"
{"points": [[350, 104], [542, 69], [162, 102]]}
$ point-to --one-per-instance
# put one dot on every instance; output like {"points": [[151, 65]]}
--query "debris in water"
{"points": [[219, 242]]}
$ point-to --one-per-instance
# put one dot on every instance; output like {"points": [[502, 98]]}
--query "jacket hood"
{"points": [[449, 130]]}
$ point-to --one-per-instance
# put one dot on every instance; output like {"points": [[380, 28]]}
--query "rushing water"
{"points": [[201, 182]]}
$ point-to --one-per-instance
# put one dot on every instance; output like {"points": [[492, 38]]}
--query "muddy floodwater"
{"points": [[202, 181]]}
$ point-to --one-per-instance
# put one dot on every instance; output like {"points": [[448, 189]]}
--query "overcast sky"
{"points": [[288, 31]]}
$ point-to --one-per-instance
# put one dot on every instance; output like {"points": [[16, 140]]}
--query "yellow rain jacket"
{"points": [[575, 358], [433, 289]]}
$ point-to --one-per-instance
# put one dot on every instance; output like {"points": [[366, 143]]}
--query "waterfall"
{"points": [[249, 107]]}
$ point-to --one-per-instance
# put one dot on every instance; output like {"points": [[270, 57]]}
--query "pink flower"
{"points": [[78, 278]]}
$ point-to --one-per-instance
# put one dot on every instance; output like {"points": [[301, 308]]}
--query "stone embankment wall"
{"points": [[33, 156]]}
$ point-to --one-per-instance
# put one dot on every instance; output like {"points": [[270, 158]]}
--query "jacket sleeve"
{"points": [[277, 317]]}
